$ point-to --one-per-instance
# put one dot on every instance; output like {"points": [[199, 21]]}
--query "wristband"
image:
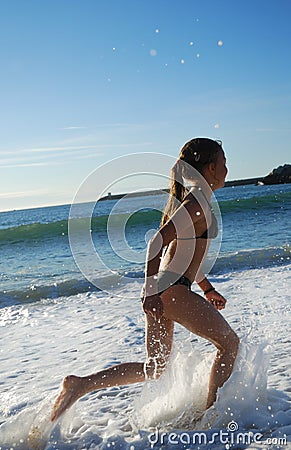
{"points": [[209, 290]]}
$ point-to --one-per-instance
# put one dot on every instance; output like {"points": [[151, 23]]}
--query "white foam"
{"points": [[44, 341], [30, 428], [181, 387]]}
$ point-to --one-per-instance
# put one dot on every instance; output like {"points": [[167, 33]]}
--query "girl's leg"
{"points": [[158, 344], [202, 318], [75, 387], [159, 340]]}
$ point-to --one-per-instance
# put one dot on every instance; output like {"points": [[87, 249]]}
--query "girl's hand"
{"points": [[153, 306], [216, 299]]}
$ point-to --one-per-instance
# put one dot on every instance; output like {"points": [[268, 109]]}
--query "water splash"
{"points": [[181, 389], [30, 429], [177, 400]]}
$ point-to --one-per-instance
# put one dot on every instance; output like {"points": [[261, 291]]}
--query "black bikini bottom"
{"points": [[167, 279]]}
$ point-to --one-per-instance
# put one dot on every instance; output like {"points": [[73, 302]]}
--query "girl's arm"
{"points": [[211, 293], [186, 214], [204, 284], [152, 303]]}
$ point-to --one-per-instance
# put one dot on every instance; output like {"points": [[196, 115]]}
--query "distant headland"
{"points": [[279, 175]]}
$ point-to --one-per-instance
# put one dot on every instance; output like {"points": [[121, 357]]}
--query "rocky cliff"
{"points": [[281, 174]]}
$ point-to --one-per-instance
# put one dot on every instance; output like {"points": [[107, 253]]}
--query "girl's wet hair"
{"points": [[196, 153], [199, 152]]}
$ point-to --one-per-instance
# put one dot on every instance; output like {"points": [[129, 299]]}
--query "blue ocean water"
{"points": [[37, 261], [52, 324]]}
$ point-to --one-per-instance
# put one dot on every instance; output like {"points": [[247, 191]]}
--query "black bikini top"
{"points": [[210, 233]]}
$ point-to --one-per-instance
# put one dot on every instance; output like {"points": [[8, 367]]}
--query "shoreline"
{"points": [[243, 182]]}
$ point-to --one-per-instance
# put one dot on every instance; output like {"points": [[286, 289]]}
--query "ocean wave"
{"points": [[33, 231], [231, 262], [253, 259], [36, 292], [270, 201], [39, 231]]}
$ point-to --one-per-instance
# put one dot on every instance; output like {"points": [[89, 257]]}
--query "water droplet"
{"points": [[149, 234], [157, 30], [153, 52], [216, 125], [182, 61], [220, 43], [198, 55], [191, 43]]}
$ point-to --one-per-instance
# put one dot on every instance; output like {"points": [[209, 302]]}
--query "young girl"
{"points": [[174, 258]]}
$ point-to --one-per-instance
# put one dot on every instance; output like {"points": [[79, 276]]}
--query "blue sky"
{"points": [[85, 81]]}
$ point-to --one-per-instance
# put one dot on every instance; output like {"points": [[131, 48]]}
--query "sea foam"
{"points": [[102, 330]]}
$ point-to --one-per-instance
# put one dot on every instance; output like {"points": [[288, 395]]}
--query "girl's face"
{"points": [[220, 170]]}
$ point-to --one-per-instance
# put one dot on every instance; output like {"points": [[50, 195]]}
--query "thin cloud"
{"points": [[75, 128], [120, 125], [22, 194], [265, 130], [10, 166], [20, 152], [59, 155]]}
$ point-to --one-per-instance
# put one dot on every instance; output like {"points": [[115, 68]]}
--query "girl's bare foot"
{"points": [[71, 392]]}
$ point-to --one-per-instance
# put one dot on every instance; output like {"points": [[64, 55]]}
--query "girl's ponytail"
{"points": [[177, 192]]}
